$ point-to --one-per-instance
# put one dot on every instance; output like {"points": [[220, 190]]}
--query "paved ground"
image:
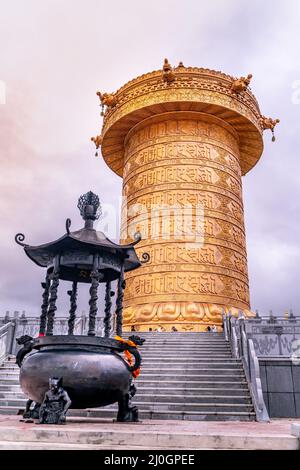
{"points": [[275, 427], [87, 433]]}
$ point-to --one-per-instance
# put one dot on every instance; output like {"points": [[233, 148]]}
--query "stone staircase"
{"points": [[189, 376]]}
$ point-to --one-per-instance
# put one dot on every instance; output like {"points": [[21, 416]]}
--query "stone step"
{"points": [[10, 358], [146, 414], [161, 370], [147, 346], [170, 415], [188, 371], [190, 366], [20, 402], [10, 410], [187, 388], [241, 384], [28, 445], [162, 366], [10, 381], [155, 374], [166, 352], [207, 347], [180, 355], [204, 377], [153, 405], [158, 391], [107, 435], [183, 347], [184, 343], [176, 371], [15, 387], [9, 375], [195, 399], [177, 396], [193, 352], [162, 354], [192, 391], [208, 405], [8, 395], [181, 340], [186, 364], [9, 372], [181, 337], [177, 335], [166, 355], [187, 356], [204, 346]]}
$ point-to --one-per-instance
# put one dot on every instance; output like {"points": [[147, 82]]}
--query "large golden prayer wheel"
{"points": [[182, 138]]}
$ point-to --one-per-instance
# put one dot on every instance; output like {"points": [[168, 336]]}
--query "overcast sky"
{"points": [[55, 55]]}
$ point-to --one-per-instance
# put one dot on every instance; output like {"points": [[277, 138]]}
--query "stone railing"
{"points": [[12, 328], [6, 340], [242, 347], [274, 336]]}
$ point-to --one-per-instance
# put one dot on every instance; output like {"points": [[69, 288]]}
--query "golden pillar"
{"points": [[182, 138]]}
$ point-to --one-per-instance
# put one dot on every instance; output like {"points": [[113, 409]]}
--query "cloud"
{"points": [[55, 56]]}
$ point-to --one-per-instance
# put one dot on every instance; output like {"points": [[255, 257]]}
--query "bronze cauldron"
{"points": [[93, 372]]}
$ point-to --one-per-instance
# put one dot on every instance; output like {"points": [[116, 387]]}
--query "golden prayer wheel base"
{"points": [[185, 316]]}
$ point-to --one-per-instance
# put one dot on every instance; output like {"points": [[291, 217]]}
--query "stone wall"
{"points": [[280, 379]]}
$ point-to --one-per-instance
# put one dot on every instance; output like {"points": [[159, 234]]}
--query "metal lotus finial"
{"points": [[89, 206]]}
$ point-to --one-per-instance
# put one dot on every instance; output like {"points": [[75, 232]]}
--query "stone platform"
{"points": [[96, 434]]}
